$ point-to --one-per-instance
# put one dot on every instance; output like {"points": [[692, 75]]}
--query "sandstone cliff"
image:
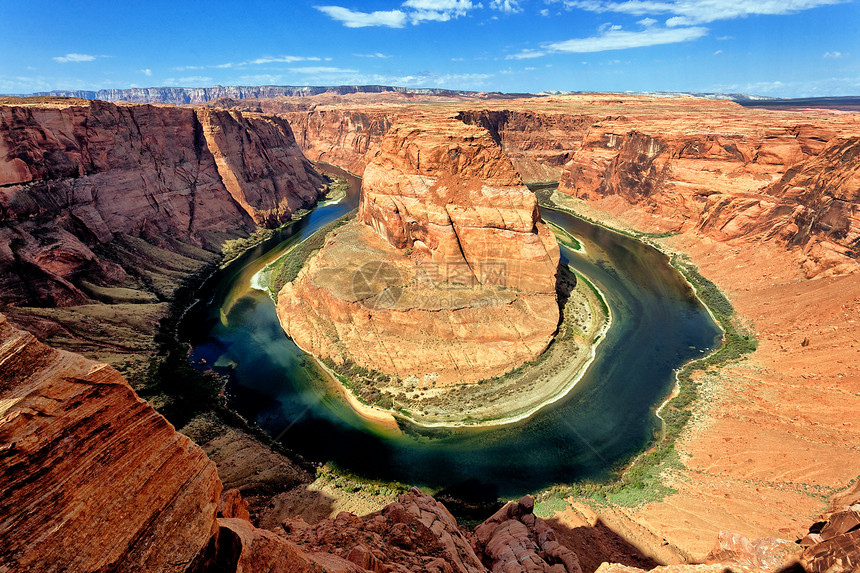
{"points": [[753, 176], [538, 143], [92, 477], [346, 138], [450, 279], [75, 175]]}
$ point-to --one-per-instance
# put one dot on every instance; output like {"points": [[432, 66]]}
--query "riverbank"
{"points": [[507, 399], [738, 464]]}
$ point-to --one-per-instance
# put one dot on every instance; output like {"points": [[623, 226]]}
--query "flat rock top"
{"points": [[357, 265]]}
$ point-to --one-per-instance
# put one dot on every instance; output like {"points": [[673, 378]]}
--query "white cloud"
{"points": [[690, 12], [718, 52], [355, 19], [647, 22], [528, 54], [834, 55], [506, 6], [379, 55], [544, 12], [264, 60], [459, 7], [74, 58], [412, 12], [147, 72], [616, 39], [322, 70]]}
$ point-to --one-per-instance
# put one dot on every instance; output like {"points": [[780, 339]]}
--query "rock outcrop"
{"points": [[76, 175], [417, 533], [514, 540], [448, 276], [92, 477], [752, 175], [448, 192]]}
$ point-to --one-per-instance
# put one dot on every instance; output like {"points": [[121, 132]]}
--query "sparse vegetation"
{"points": [[286, 269], [232, 248]]}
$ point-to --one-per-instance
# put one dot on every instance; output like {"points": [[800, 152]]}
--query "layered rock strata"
{"points": [[92, 477], [76, 175], [754, 176], [447, 277]]}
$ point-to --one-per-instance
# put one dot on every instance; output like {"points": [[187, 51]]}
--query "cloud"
{"points": [[263, 60], [506, 6], [613, 38], [355, 19], [834, 55], [411, 12], [74, 58], [718, 52], [147, 72], [373, 55], [544, 12], [692, 12], [647, 22], [322, 70]]}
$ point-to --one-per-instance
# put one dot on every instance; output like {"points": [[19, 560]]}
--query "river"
{"points": [[658, 325]]}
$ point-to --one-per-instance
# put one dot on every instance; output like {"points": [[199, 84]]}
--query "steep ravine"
{"points": [[105, 209]]}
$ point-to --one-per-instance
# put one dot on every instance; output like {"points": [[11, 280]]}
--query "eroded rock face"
{"points": [[75, 175], [514, 540], [449, 274], [92, 477], [538, 143], [746, 177], [346, 138], [449, 192], [814, 206], [415, 534]]}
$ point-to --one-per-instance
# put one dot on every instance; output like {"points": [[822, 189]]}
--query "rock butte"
{"points": [[763, 201], [449, 274]]}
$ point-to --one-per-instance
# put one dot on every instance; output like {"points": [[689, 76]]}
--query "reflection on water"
{"points": [[658, 325]]}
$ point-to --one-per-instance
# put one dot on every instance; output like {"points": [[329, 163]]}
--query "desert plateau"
{"points": [[424, 286]]}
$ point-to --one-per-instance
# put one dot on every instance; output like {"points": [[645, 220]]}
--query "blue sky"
{"points": [[788, 48]]}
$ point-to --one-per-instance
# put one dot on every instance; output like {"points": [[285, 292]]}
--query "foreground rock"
{"points": [[448, 277], [415, 534], [92, 477], [514, 540]]}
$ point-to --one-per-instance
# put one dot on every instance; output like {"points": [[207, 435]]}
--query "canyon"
{"points": [[105, 208]]}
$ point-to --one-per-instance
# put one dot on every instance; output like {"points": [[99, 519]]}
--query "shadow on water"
{"points": [[658, 325]]}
